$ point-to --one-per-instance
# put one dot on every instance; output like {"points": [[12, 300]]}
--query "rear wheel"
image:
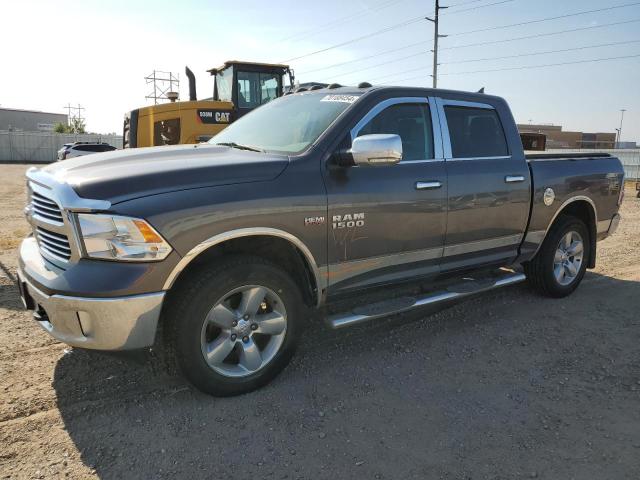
{"points": [[234, 327], [560, 264]]}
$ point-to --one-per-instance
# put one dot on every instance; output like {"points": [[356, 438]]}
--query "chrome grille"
{"points": [[46, 208], [53, 243]]}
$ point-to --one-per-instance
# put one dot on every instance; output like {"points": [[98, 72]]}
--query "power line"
{"points": [[383, 30], [353, 40], [525, 67], [340, 21], [475, 8], [491, 58], [526, 37], [379, 54], [383, 63], [584, 12], [540, 53]]}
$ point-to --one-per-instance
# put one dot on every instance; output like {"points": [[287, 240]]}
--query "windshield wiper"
{"points": [[240, 147]]}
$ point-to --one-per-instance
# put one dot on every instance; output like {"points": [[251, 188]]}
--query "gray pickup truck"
{"points": [[222, 251]]}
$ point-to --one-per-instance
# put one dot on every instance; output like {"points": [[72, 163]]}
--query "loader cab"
{"points": [[248, 85]]}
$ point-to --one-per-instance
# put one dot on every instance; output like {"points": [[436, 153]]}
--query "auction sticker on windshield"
{"points": [[340, 98]]}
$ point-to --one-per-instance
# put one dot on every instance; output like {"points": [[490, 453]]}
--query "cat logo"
{"points": [[348, 220], [208, 116]]}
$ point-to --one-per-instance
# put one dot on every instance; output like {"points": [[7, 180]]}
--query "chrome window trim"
{"points": [[461, 103], [435, 125], [319, 273], [444, 128]]}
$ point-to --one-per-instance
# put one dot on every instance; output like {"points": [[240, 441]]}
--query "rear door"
{"points": [[488, 186], [388, 223]]}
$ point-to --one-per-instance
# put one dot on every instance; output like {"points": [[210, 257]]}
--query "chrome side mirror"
{"points": [[376, 150]]}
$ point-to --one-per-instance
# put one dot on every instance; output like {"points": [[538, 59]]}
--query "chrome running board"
{"points": [[465, 288]]}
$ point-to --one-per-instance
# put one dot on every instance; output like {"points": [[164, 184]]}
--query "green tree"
{"points": [[77, 125], [60, 128]]}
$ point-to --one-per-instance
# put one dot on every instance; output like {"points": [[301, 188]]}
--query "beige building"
{"points": [[557, 138]]}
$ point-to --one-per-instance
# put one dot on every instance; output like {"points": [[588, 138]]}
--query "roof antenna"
{"points": [[481, 90]]}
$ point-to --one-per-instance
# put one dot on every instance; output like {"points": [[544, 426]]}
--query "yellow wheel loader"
{"points": [[238, 88]]}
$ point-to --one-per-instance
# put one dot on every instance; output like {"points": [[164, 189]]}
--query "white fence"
{"points": [[630, 159], [44, 146]]}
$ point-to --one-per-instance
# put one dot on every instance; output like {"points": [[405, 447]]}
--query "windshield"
{"points": [[224, 81], [288, 124]]}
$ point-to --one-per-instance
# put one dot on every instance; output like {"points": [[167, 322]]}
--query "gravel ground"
{"points": [[508, 385]]}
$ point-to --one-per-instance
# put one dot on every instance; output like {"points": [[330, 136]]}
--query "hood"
{"points": [[127, 174]]}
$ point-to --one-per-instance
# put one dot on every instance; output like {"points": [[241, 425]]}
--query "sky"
{"points": [[97, 53]]}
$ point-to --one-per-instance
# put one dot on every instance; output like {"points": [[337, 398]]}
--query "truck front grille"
{"points": [[53, 243], [46, 208]]}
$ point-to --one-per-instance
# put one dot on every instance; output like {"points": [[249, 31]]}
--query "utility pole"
{"points": [[622, 110], [436, 36]]}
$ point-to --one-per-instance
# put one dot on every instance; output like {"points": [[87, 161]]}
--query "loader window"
{"points": [[166, 132], [255, 89], [224, 83]]}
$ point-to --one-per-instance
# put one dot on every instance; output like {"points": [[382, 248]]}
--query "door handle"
{"points": [[428, 185], [514, 178]]}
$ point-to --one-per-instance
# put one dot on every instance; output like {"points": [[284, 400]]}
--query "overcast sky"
{"points": [[97, 53]]}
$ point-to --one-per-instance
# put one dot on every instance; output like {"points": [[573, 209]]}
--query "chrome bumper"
{"points": [[116, 323]]}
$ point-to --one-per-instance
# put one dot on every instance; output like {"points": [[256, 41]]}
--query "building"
{"points": [[558, 138], [29, 120]]}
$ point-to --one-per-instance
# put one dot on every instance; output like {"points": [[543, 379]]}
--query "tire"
{"points": [[219, 351], [547, 272]]}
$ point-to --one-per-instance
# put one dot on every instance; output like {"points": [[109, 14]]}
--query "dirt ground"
{"points": [[507, 385]]}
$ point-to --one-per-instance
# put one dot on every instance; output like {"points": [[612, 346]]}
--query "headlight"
{"points": [[112, 237]]}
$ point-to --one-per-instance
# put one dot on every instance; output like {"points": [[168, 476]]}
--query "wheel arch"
{"points": [[583, 208], [277, 245]]}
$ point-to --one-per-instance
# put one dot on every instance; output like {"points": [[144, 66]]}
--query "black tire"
{"points": [[190, 304], [540, 270]]}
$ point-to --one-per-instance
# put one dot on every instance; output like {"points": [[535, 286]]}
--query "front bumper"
{"points": [[110, 323]]}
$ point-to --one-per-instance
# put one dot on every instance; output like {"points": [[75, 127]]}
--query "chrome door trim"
{"points": [[319, 273], [468, 247], [435, 125], [338, 272], [464, 159], [428, 185]]}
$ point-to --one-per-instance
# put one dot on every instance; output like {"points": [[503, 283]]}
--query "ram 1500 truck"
{"points": [[227, 248]]}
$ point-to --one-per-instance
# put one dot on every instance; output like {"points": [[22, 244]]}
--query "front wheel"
{"points": [[560, 264], [233, 327]]}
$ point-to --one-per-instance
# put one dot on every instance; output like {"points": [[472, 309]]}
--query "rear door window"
{"points": [[475, 132]]}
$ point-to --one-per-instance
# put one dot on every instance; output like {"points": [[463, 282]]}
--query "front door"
{"points": [[387, 223], [489, 188]]}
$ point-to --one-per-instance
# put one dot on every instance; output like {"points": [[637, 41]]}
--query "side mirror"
{"points": [[376, 150]]}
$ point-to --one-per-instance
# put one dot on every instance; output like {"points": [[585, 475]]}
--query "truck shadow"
{"points": [[344, 394], [9, 297]]}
